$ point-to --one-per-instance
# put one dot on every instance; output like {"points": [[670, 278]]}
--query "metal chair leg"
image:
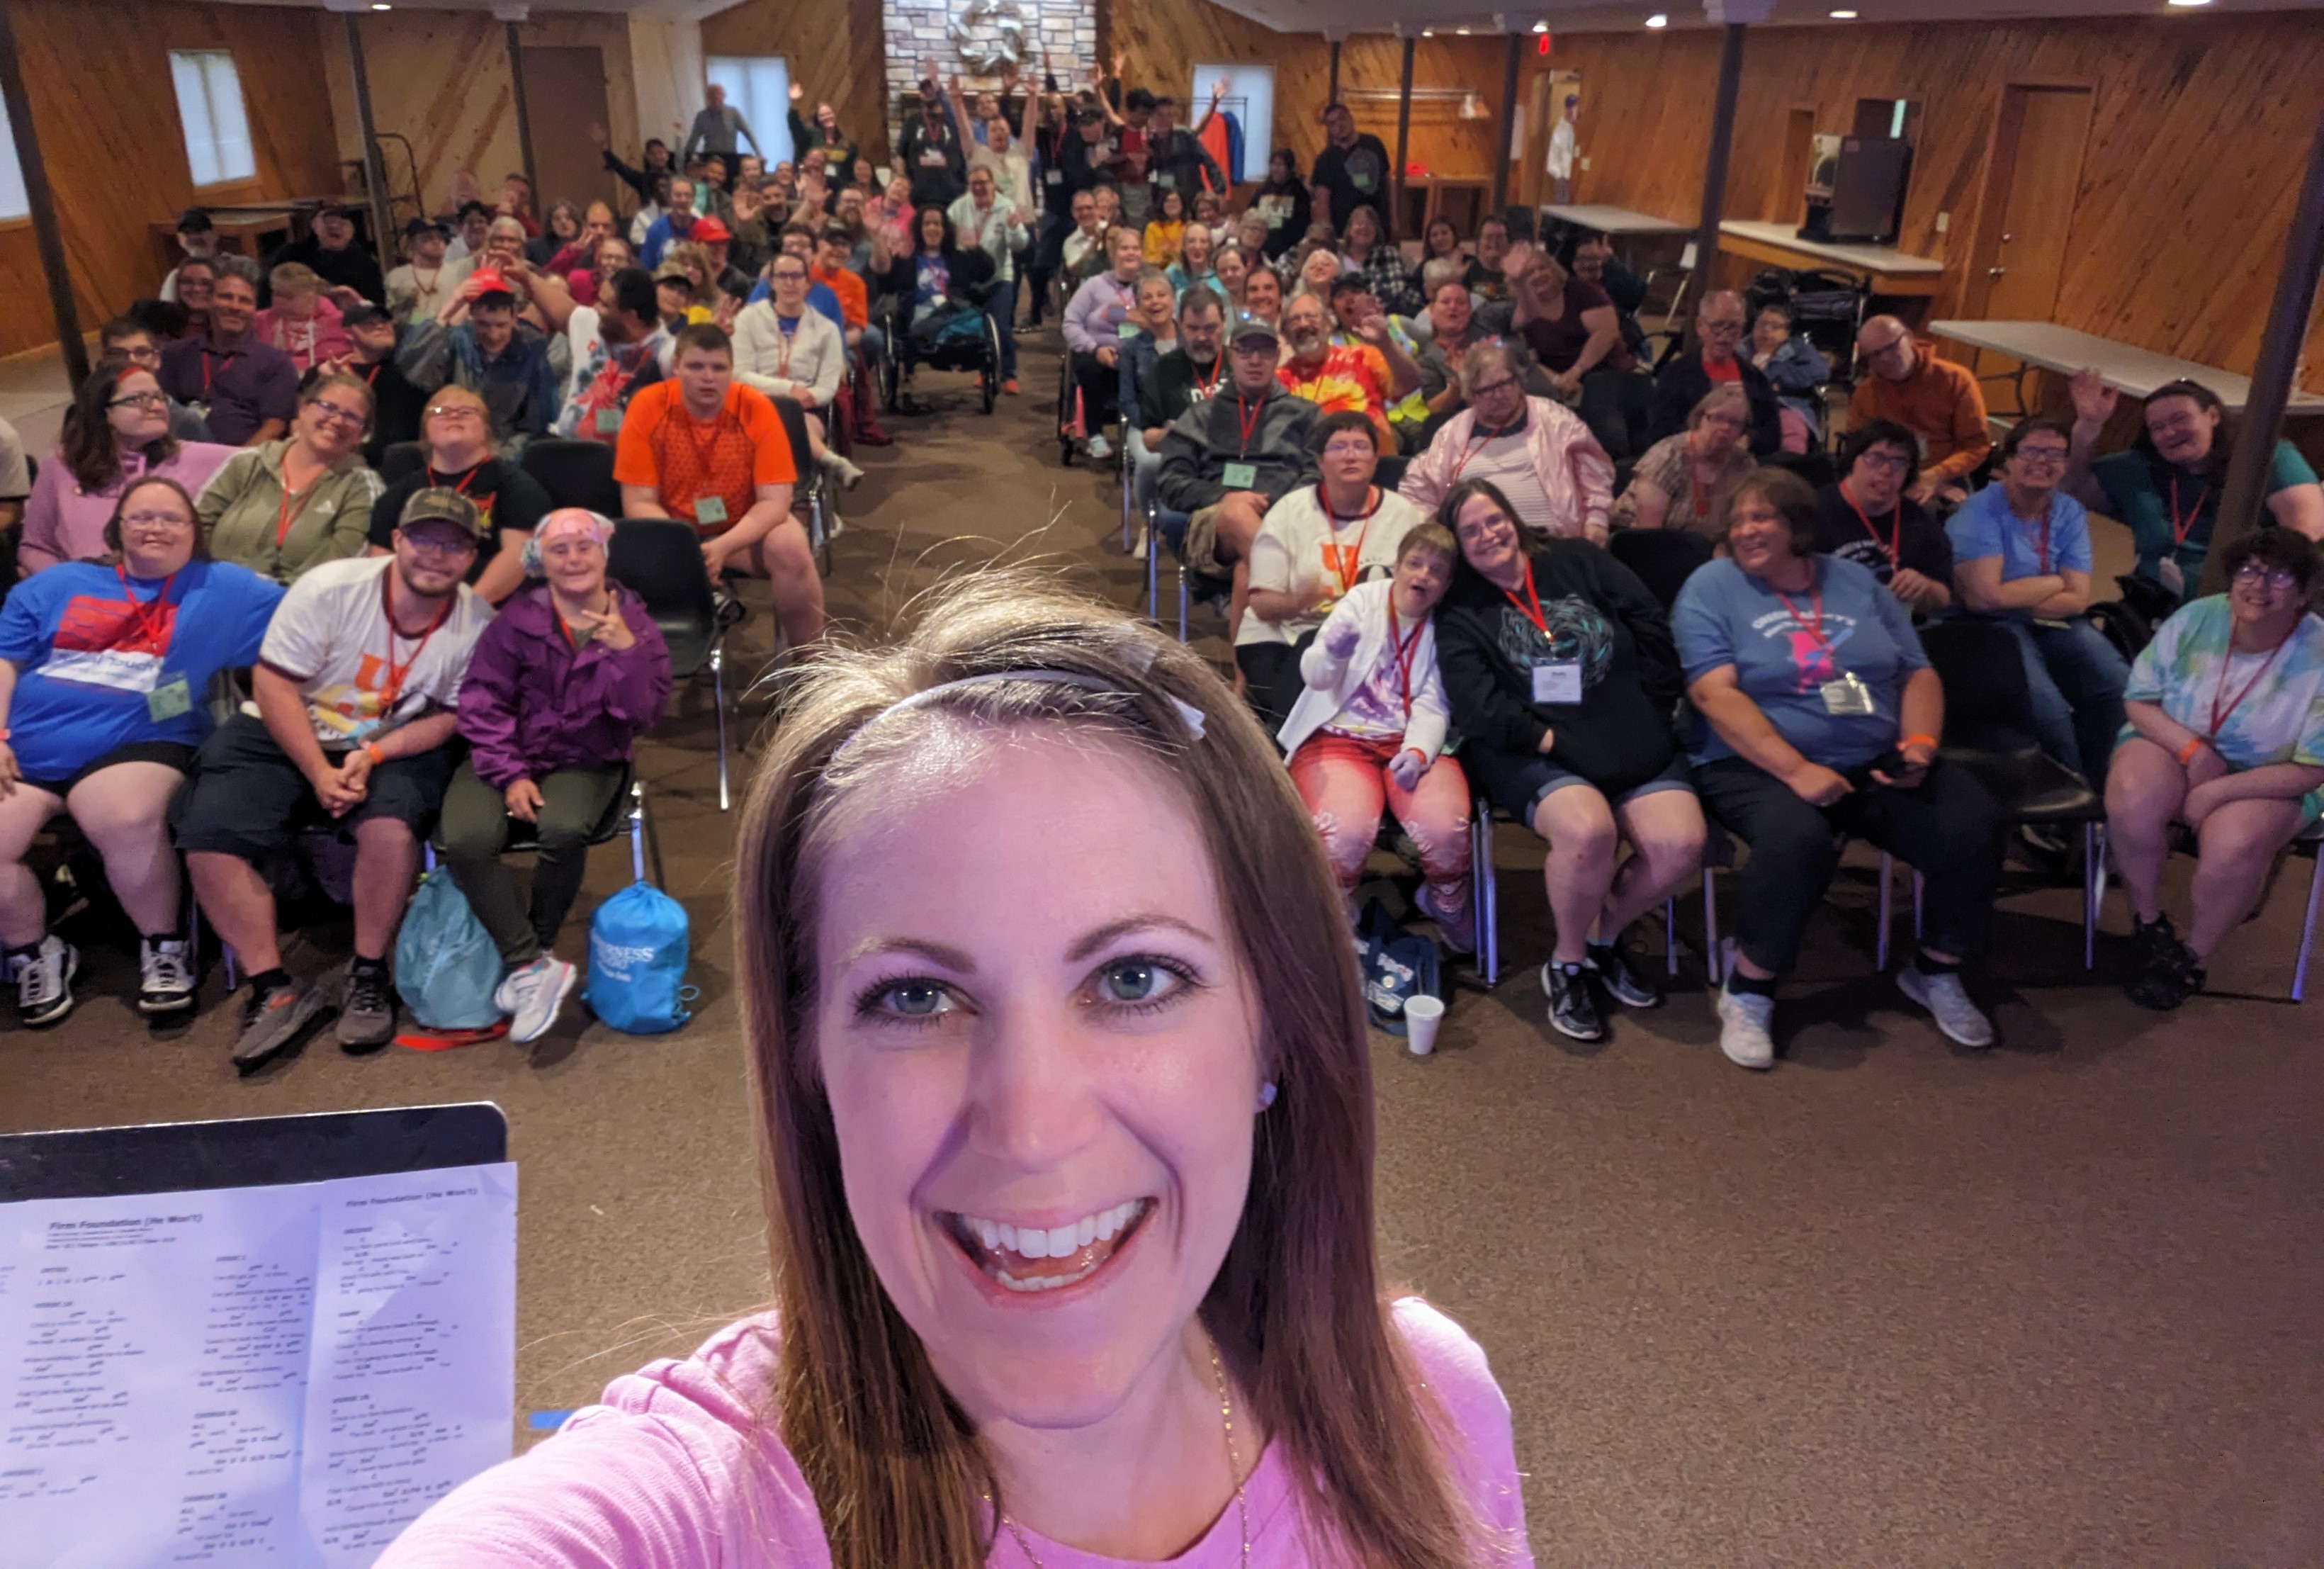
{"points": [[1488, 892], [1880, 942], [2308, 932], [1154, 579], [1181, 601], [637, 832], [718, 693], [1669, 934], [2093, 889], [1920, 887], [1712, 955], [1127, 508]]}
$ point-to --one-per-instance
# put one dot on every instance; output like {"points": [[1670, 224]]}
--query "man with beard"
{"points": [[1334, 376], [1353, 169]]}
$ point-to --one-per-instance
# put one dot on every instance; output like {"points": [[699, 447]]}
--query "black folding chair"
{"points": [[574, 474], [401, 460], [659, 559], [1662, 558], [806, 491], [625, 813]]}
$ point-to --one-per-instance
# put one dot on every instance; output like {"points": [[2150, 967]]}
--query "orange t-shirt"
{"points": [[683, 459], [855, 302]]}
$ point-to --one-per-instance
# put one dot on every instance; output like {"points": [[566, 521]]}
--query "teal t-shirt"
{"points": [[2139, 490], [2279, 720]]}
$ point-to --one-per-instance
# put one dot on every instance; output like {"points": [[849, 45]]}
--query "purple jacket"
{"points": [[530, 706]]}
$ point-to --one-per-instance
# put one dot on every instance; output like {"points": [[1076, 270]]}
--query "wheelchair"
{"points": [[980, 353]]}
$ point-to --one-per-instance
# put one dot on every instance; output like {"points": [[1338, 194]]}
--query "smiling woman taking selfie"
{"points": [[1071, 1210]]}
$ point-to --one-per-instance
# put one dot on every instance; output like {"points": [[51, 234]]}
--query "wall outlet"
{"points": [[1944, 222], [1586, 166]]}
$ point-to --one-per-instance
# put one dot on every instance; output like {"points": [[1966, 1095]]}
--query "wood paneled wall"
{"points": [[837, 49], [1164, 39], [98, 77], [2200, 127], [440, 78]]}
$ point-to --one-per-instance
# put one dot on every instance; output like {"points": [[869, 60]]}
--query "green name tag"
{"points": [[609, 421], [1240, 475], [169, 701], [709, 509], [1128, 329], [1360, 181]]}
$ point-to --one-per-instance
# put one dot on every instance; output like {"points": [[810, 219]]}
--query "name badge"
{"points": [[1240, 475], [1361, 181], [1558, 681], [1127, 330], [169, 701], [1167, 181], [609, 421], [932, 159], [1054, 177], [1847, 695], [709, 509]]}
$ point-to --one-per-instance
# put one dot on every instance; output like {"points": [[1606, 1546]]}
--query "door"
{"points": [[1529, 159], [564, 92], [1787, 203], [2030, 200]]}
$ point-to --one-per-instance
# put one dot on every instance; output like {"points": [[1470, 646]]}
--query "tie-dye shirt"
{"points": [[2280, 719]]}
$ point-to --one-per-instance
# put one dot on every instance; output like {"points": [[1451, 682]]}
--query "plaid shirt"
{"points": [[1392, 282]]}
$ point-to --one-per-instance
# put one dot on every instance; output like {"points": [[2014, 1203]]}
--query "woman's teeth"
{"points": [[1043, 1259]]}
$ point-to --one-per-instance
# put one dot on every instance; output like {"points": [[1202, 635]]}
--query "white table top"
{"points": [[2135, 371], [1613, 220], [1864, 258]]}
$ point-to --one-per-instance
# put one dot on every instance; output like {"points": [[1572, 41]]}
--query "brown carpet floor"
{"points": [[1888, 1304]]}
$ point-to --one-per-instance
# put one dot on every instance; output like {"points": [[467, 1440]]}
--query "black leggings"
{"points": [[1271, 681], [1101, 386], [1947, 830]]}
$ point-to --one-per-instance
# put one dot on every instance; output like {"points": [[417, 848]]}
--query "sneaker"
{"points": [[43, 980], [165, 968], [1573, 1011], [846, 473], [1948, 1000], [1010, 387], [1625, 981], [1098, 448], [1745, 1035], [273, 1021], [366, 1008], [2165, 980], [2157, 943], [1455, 928], [532, 995]]}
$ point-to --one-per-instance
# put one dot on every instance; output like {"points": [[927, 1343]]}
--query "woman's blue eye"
{"points": [[1134, 981], [915, 999]]}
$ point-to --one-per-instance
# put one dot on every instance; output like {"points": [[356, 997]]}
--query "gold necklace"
{"points": [[1234, 1469]]}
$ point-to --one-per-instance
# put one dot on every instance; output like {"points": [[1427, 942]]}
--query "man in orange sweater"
{"points": [[1937, 401]]}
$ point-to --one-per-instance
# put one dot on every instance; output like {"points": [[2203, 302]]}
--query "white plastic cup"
{"points": [[1421, 1015]]}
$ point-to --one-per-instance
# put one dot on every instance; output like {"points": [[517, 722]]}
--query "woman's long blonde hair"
{"points": [[1297, 1309]]}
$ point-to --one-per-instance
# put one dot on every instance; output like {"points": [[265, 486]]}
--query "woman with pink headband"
{"points": [[558, 688]]}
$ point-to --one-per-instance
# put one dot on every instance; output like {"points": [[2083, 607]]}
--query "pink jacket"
{"points": [[322, 336], [1575, 471]]}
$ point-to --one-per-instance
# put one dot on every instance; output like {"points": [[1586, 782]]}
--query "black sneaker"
{"points": [[1572, 1010], [2164, 983], [273, 1021], [2157, 941], [367, 1008], [1625, 981]]}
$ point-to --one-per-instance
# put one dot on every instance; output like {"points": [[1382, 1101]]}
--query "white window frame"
{"points": [[1254, 84], [15, 203], [759, 85], [215, 117]]}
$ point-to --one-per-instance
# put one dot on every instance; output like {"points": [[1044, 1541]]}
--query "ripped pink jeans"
{"points": [[1344, 782]]}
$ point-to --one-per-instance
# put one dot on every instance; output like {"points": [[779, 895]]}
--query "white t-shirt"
{"points": [[331, 635], [1290, 556]]}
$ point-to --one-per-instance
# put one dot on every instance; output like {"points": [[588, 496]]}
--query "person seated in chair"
{"points": [[1338, 375], [245, 388], [285, 507], [705, 451], [2226, 736], [566, 679], [785, 349], [355, 684], [1194, 368], [1097, 320], [1314, 547], [103, 669], [476, 341], [458, 455], [1535, 451], [1230, 457], [1937, 401], [620, 348], [1867, 517], [2022, 556], [117, 433], [1156, 320], [1570, 324], [1716, 360], [1562, 678], [1677, 481], [1370, 725], [1795, 368], [1821, 717], [938, 276]]}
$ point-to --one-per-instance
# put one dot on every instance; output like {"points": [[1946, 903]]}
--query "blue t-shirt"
{"points": [[1724, 617], [1985, 527], [88, 652]]}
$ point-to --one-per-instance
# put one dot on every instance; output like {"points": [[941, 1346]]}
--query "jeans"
{"points": [[573, 801], [2076, 679], [1002, 307], [1048, 255], [1948, 830], [1344, 782]]}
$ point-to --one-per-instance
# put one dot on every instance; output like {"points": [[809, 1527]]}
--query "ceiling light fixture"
{"points": [[2186, 4], [1843, 15], [1658, 20], [1461, 31], [1541, 27]]}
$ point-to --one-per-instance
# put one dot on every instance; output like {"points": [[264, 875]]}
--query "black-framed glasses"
{"points": [[2258, 574], [140, 400]]}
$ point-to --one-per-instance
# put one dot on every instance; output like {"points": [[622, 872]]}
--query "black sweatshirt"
{"points": [[1620, 734]]}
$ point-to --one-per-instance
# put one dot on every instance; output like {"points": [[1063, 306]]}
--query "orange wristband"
{"points": [[371, 751], [1916, 741], [2186, 752]]}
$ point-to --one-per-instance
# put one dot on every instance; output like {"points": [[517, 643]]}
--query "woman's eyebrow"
{"points": [[942, 954], [961, 961], [1093, 941]]}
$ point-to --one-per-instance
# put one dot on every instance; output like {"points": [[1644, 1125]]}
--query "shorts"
{"points": [[248, 799], [174, 754], [1518, 785]]}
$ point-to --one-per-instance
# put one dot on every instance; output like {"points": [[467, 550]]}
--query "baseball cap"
{"points": [[422, 225], [708, 231], [489, 281], [673, 270], [194, 221], [333, 209], [363, 315], [1249, 325], [440, 503]]}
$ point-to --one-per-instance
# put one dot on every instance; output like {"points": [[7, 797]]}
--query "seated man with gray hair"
{"points": [[1537, 450]]}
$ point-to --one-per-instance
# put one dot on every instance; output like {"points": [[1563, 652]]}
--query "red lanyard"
{"points": [[2219, 715], [2181, 527], [1345, 561], [1247, 417], [783, 366], [1477, 444], [371, 374], [1532, 609], [1404, 647], [1896, 530], [229, 357], [285, 514], [146, 618], [566, 627], [1813, 629], [2047, 507], [397, 674], [466, 479]]}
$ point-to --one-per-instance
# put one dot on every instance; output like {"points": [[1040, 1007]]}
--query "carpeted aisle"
{"points": [[1889, 1303]]}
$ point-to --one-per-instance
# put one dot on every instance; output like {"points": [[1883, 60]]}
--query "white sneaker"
{"points": [[1098, 448], [1744, 1020], [532, 996], [43, 980], [845, 472], [165, 968], [1947, 1000]]}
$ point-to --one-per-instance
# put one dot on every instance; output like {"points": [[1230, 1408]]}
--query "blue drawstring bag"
{"points": [[637, 961], [1397, 963], [446, 965]]}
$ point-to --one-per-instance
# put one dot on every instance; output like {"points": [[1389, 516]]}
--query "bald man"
{"points": [[1937, 401], [1717, 356]]}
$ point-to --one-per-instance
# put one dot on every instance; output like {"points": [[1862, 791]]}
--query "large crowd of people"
{"points": [[1411, 465]]}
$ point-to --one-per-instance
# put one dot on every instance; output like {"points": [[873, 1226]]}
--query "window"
{"points": [[13, 203], [209, 104], [1249, 106], [759, 85]]}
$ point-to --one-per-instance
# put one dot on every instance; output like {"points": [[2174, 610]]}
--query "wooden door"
{"points": [[2030, 201], [565, 90], [1787, 202]]}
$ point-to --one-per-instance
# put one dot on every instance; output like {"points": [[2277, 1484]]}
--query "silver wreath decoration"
{"points": [[1006, 47]]}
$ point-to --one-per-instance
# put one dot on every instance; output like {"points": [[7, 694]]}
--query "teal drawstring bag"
{"points": [[638, 942], [446, 965]]}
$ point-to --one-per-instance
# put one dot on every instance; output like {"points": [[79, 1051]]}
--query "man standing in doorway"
{"points": [[1563, 148], [715, 129], [1353, 169]]}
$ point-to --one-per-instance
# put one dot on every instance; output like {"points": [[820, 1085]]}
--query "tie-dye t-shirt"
{"points": [[1784, 648], [2281, 719]]}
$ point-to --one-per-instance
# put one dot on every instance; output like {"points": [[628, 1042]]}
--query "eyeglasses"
{"points": [[1874, 351], [345, 416], [148, 355], [1733, 324], [140, 400], [156, 521], [455, 412], [793, 276], [439, 544], [1485, 388], [1349, 450], [2256, 574], [1895, 462], [2041, 456]]}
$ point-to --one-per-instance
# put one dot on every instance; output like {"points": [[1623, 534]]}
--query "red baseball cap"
{"points": [[489, 281], [708, 231]]}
